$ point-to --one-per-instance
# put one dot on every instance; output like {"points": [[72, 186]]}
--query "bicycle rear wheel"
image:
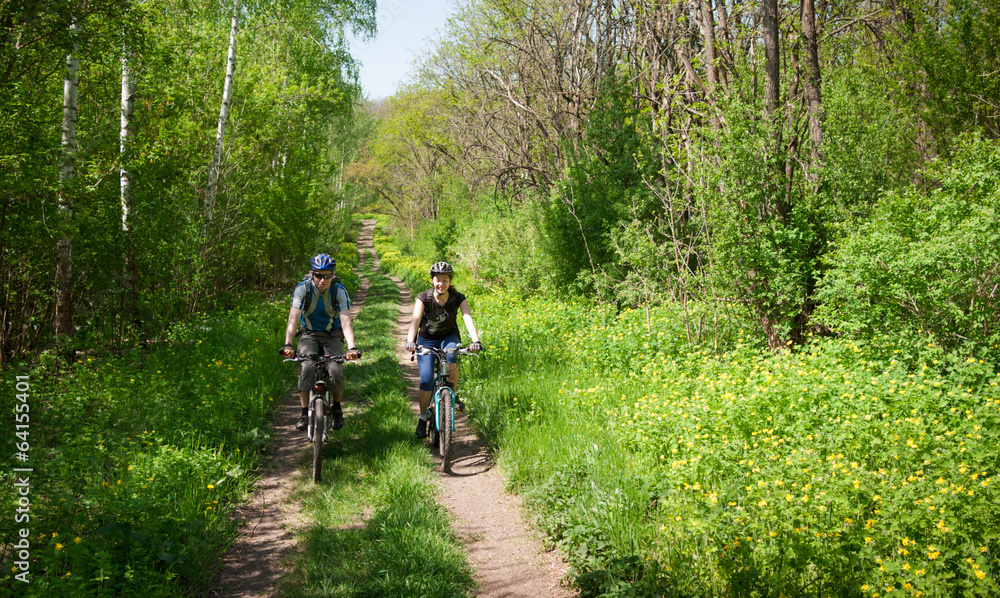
{"points": [[447, 420], [319, 427]]}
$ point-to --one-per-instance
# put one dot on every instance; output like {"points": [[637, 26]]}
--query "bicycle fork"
{"points": [[437, 407], [318, 393]]}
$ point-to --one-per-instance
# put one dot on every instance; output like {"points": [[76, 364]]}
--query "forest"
{"points": [[736, 267], [161, 157]]}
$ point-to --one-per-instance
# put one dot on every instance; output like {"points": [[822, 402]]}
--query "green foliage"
{"points": [[604, 184], [766, 226], [658, 466], [347, 261], [926, 265], [408, 162], [506, 251], [867, 143], [432, 240], [145, 455], [414, 272], [280, 186], [951, 55]]}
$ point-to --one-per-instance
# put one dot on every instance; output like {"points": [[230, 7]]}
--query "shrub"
{"points": [[926, 268]]}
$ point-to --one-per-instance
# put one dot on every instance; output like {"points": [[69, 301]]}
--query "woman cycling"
{"points": [[435, 317]]}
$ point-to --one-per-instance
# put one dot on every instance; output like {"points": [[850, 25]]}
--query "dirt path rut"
{"points": [[253, 565]]}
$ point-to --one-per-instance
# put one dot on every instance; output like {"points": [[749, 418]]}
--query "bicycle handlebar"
{"points": [[324, 358], [421, 350]]}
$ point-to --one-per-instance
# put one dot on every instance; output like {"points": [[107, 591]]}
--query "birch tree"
{"points": [[64, 244], [124, 136], [213, 173]]}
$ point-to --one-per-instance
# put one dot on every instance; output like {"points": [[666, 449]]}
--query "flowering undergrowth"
{"points": [[138, 458], [413, 271], [664, 468], [347, 260]]}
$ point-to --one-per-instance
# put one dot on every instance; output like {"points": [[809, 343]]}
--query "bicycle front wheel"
{"points": [[447, 419], [432, 424], [319, 428]]}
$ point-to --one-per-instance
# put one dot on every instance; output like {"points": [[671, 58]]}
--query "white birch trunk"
{"points": [[124, 136], [64, 244], [213, 173]]}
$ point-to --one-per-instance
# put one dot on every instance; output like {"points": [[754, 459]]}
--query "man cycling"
{"points": [[435, 316], [322, 306]]}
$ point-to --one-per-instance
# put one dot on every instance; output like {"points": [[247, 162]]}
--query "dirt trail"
{"points": [[507, 559], [259, 558]]}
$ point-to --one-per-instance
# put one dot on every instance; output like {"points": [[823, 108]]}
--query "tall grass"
{"points": [[139, 457], [665, 469]]}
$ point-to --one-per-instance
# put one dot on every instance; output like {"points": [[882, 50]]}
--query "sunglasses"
{"points": [[322, 276]]}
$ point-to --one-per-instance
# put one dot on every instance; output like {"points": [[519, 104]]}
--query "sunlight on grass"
{"points": [[661, 468]]}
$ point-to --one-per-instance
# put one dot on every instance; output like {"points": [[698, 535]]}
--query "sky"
{"points": [[405, 29]]}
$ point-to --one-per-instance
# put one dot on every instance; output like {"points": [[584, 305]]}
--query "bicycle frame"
{"points": [[442, 423], [318, 391], [442, 380], [320, 409]]}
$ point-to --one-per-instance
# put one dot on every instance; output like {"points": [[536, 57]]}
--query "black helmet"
{"points": [[442, 268]]}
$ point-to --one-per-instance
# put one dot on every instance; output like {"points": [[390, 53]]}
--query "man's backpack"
{"points": [[312, 297]]}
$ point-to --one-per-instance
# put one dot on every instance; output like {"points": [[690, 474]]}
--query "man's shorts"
{"points": [[313, 342]]}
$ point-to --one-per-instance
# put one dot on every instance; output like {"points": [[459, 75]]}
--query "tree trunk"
{"points": [[213, 173], [124, 135], [64, 244], [724, 38], [708, 36], [131, 272], [813, 83], [772, 58]]}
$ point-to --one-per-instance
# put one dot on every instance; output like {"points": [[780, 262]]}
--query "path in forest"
{"points": [[260, 557], [506, 558]]}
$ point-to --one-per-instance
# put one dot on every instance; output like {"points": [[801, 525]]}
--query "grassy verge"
{"points": [[377, 529], [662, 469], [137, 459]]}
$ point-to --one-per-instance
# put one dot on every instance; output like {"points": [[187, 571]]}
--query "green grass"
{"points": [[662, 469], [377, 529], [138, 458]]}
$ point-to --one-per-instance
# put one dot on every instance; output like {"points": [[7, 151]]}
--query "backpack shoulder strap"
{"points": [[312, 298], [333, 306]]}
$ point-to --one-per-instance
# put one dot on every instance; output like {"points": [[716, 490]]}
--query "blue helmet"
{"points": [[323, 262]]}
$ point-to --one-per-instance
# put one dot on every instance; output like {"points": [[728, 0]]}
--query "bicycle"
{"points": [[320, 406], [441, 410]]}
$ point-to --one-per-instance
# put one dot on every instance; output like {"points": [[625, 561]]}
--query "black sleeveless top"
{"points": [[440, 321]]}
